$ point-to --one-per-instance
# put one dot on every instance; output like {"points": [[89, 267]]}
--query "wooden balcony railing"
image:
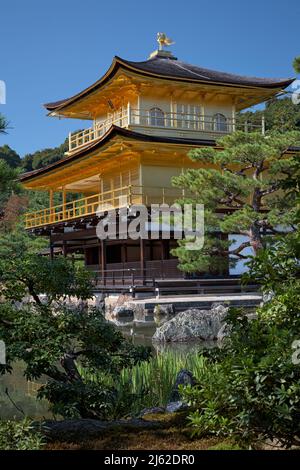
{"points": [[215, 125], [91, 205], [82, 138]]}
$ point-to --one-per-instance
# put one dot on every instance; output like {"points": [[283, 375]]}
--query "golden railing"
{"points": [[216, 125], [91, 205], [82, 138]]}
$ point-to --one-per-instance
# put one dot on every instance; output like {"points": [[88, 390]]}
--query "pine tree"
{"points": [[296, 64], [3, 124], [241, 187]]}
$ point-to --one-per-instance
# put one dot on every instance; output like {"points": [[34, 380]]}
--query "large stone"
{"points": [[152, 411], [175, 406], [122, 312], [193, 324], [224, 332], [163, 313], [184, 377], [78, 430]]}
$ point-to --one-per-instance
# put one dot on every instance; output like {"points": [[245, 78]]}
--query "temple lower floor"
{"points": [[121, 261]]}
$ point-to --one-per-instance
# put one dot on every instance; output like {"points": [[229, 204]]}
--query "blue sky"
{"points": [[51, 50]]}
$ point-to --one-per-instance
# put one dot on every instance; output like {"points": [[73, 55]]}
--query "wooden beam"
{"points": [[80, 234]]}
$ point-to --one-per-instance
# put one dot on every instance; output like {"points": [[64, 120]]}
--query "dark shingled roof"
{"points": [[112, 132], [171, 68]]}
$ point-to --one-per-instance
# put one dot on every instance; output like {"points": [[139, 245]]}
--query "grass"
{"points": [[149, 384]]}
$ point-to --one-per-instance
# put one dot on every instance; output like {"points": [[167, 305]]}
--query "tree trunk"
{"points": [[255, 238], [68, 363]]}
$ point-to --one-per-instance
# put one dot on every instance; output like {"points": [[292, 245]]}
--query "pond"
{"points": [[18, 397]]}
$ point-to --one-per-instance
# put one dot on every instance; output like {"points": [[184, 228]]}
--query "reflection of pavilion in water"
{"points": [[22, 396], [33, 388]]}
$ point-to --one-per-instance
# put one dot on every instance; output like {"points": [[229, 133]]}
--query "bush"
{"points": [[52, 337], [19, 435], [253, 390]]}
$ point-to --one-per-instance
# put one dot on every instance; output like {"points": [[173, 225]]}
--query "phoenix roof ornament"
{"points": [[163, 40]]}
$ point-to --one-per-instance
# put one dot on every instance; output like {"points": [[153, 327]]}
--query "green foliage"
{"points": [[280, 114], [8, 183], [17, 243], [248, 176], [52, 336], [225, 445], [38, 200], [10, 156], [35, 275], [19, 435], [253, 392], [3, 124], [41, 158], [296, 64], [278, 266], [51, 342]]}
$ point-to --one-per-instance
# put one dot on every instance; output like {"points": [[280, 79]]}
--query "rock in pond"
{"points": [[163, 313], [122, 312], [184, 377], [193, 324]]}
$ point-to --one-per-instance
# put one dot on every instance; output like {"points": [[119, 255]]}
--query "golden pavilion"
{"points": [[143, 118]]}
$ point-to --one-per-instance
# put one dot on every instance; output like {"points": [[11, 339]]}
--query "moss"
{"points": [[226, 445], [172, 436], [171, 419]]}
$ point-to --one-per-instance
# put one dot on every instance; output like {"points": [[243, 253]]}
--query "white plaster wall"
{"points": [[158, 176]]}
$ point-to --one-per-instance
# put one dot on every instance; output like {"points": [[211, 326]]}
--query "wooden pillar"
{"points": [[85, 254], [162, 250], [151, 249], [164, 254], [142, 259], [124, 253], [65, 250], [64, 201], [51, 249], [51, 204], [99, 256], [103, 259]]}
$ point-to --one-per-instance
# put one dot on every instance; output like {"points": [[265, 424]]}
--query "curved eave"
{"points": [[114, 131], [126, 65]]}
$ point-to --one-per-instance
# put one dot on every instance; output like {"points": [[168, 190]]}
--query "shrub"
{"points": [[19, 435]]}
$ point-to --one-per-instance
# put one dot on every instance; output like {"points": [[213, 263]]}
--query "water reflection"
{"points": [[19, 396], [142, 333]]}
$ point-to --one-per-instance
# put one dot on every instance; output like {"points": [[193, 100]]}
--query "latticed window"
{"points": [[157, 117], [188, 116], [219, 122]]}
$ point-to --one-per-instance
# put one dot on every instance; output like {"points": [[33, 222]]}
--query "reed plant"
{"points": [[149, 383]]}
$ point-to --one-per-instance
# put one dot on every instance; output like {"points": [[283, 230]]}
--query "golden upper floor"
{"points": [[145, 117], [166, 97]]}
